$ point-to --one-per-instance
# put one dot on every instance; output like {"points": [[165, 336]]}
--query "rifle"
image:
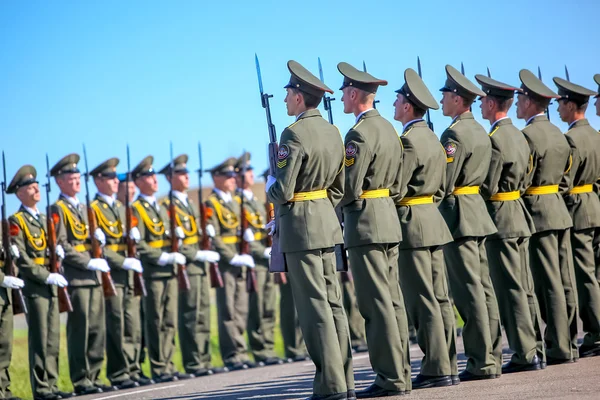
{"points": [[64, 301], [279, 277], [340, 250], [216, 279], [139, 286], [251, 282], [540, 78], [429, 123], [365, 70], [18, 300], [108, 286], [182, 275], [567, 74], [277, 263]]}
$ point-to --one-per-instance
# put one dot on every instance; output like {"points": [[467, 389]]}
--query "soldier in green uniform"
{"points": [[194, 304], [356, 322], [468, 153], [597, 236], [262, 303], [309, 184], [291, 333], [372, 232], [28, 233], [508, 249], [232, 298], [583, 205], [160, 273], [110, 216], [86, 332], [424, 231], [550, 247]]}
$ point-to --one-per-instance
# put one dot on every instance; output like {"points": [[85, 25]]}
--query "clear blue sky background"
{"points": [[108, 73]]}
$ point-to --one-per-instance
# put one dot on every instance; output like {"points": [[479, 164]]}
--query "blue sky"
{"points": [[147, 72]]}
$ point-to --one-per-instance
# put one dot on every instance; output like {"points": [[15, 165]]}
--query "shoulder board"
{"points": [[454, 124], [357, 124], [494, 131], [293, 123], [238, 199], [118, 203], [405, 133]]}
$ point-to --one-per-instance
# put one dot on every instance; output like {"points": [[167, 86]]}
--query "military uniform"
{"points": [[372, 233], [194, 304], [6, 336], [584, 206], [508, 249], [424, 231], [309, 183], [597, 236], [160, 277], [86, 332], [468, 153], [550, 247], [262, 302], [356, 322], [232, 298]]}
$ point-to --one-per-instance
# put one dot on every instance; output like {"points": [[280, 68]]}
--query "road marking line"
{"points": [[139, 391]]}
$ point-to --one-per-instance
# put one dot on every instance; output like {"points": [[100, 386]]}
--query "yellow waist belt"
{"points": [[506, 196], [159, 244], [191, 240], [548, 189], [582, 189], [461, 190], [39, 260], [230, 239], [414, 201], [305, 196], [259, 236], [375, 194], [80, 248], [116, 247]]}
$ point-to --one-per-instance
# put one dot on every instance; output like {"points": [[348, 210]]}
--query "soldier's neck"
{"points": [[301, 110], [576, 116], [497, 117], [31, 205], [460, 112], [361, 108]]}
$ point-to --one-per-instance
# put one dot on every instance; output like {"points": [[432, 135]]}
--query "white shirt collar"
{"points": [[530, 119], [150, 199], [225, 196], [183, 197], [496, 123], [248, 194], [361, 114], [31, 211], [409, 123], [574, 122], [73, 200], [299, 115], [109, 199]]}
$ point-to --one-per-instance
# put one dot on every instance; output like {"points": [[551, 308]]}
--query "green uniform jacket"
{"points": [[187, 219], [468, 154], [551, 154], [73, 235], [423, 173], [585, 169], [4, 293], [153, 225], [111, 219], [373, 161], [33, 263], [311, 157], [256, 215], [226, 221], [508, 171]]}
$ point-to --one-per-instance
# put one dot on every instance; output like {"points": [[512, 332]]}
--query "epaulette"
{"points": [[357, 124], [293, 123]]}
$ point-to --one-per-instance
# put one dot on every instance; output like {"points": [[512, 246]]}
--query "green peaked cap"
{"points": [[415, 91], [571, 91], [359, 79], [492, 87], [597, 79], [66, 165], [302, 79], [180, 163], [144, 168], [107, 169], [25, 176], [459, 84]]}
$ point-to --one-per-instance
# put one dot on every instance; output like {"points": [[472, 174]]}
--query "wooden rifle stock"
{"points": [[64, 301], [108, 286], [139, 286], [279, 277], [216, 279], [183, 279]]}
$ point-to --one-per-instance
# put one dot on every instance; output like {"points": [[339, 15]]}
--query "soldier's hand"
{"points": [[60, 252], [207, 255], [57, 280], [168, 259], [270, 227], [267, 253], [100, 237], [98, 264], [210, 231], [14, 251], [134, 234], [243, 260], [249, 235], [132, 264], [270, 182], [12, 282]]}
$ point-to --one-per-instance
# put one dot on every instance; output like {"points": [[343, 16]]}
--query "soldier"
{"points": [[468, 154], [86, 324], [122, 318], [194, 304], [508, 249], [291, 333], [424, 231], [28, 233], [261, 307], [597, 237], [372, 233], [309, 184], [356, 322], [550, 247], [583, 205], [232, 298], [160, 274]]}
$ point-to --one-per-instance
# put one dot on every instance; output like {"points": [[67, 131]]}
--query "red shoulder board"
{"points": [[55, 218], [14, 229]]}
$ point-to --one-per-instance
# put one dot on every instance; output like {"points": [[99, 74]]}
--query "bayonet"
{"points": [[365, 70], [567, 74], [326, 99], [488, 72], [429, 123], [540, 78], [462, 71]]}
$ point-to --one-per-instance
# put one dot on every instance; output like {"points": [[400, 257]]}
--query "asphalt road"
{"points": [[294, 381]]}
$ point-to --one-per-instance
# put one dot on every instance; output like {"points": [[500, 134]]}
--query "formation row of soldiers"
{"points": [[99, 324], [508, 218]]}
